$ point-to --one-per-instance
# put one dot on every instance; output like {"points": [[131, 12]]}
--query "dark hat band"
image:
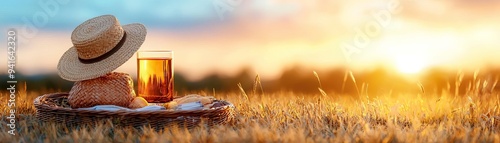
{"points": [[107, 54]]}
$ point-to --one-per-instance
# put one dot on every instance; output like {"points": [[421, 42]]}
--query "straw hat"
{"points": [[111, 89], [100, 45]]}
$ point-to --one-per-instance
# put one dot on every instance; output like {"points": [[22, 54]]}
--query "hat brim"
{"points": [[70, 68]]}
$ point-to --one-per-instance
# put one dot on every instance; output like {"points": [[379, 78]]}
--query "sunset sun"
{"points": [[409, 64]]}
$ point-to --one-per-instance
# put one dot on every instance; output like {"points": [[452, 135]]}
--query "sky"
{"points": [[269, 36]]}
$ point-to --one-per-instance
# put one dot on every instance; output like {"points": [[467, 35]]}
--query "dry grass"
{"points": [[291, 117]]}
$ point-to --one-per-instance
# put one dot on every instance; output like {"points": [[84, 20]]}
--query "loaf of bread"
{"points": [[111, 89]]}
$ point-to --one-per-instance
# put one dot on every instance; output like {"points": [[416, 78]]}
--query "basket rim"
{"points": [[39, 105]]}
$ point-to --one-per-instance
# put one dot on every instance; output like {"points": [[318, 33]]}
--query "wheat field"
{"points": [[292, 117]]}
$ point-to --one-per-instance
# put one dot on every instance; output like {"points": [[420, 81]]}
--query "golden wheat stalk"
{"points": [[355, 83], [345, 79], [422, 89], [317, 77], [243, 91], [257, 83]]}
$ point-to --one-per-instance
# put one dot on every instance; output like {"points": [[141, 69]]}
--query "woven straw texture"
{"points": [[94, 38], [111, 89], [54, 108]]}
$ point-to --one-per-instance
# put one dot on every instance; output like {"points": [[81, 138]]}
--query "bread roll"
{"points": [[138, 102], [171, 105], [205, 100], [195, 98]]}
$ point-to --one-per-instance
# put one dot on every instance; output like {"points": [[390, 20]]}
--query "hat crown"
{"points": [[97, 36]]}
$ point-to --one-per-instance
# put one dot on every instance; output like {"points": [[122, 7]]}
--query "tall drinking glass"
{"points": [[155, 76]]}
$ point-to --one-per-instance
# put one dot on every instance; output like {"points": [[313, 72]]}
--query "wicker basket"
{"points": [[54, 108]]}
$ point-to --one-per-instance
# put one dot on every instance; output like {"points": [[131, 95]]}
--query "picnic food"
{"points": [[192, 101], [193, 98], [111, 89], [50, 109], [171, 105], [138, 102]]}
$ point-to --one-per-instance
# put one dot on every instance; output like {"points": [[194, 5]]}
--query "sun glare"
{"points": [[409, 64], [413, 53]]}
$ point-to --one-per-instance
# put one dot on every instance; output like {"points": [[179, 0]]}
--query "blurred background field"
{"points": [[301, 80]]}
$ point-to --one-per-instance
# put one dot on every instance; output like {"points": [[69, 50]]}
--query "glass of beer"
{"points": [[155, 76]]}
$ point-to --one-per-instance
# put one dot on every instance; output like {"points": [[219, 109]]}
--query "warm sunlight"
{"points": [[412, 53], [409, 64]]}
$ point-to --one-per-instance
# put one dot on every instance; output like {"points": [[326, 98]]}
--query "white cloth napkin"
{"points": [[118, 108], [190, 106], [186, 106]]}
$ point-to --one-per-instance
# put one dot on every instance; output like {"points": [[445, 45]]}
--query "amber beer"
{"points": [[155, 76]]}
